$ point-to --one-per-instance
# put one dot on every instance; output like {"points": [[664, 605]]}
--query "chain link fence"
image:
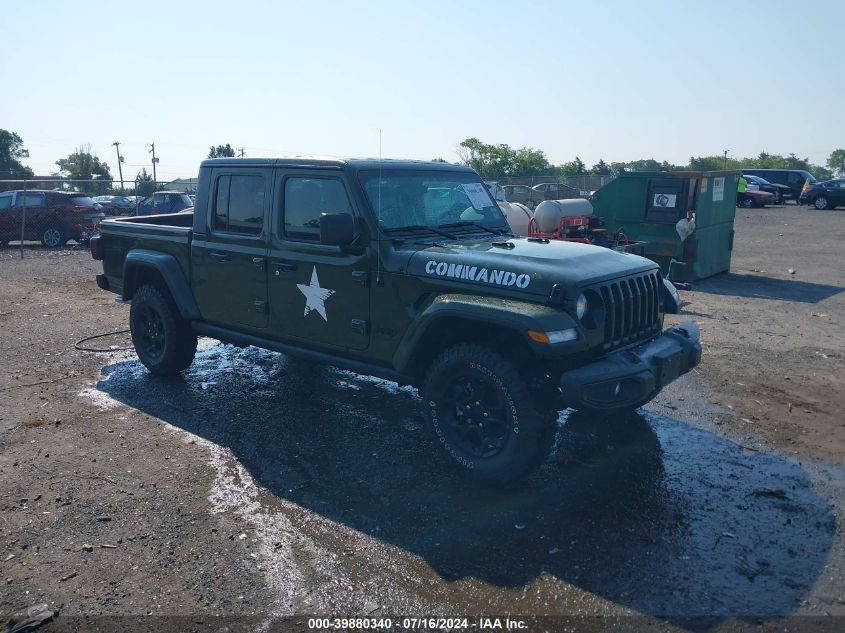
{"points": [[585, 182], [63, 213], [56, 212]]}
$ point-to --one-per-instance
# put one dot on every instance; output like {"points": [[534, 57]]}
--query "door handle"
{"points": [[220, 257], [258, 262], [283, 266]]}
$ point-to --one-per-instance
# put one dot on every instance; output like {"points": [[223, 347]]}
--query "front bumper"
{"points": [[630, 378]]}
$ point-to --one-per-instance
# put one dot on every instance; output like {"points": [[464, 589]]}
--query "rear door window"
{"points": [[6, 202], [30, 199], [239, 204]]}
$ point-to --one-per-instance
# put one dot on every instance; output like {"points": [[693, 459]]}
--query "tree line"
{"points": [[501, 162], [492, 162]]}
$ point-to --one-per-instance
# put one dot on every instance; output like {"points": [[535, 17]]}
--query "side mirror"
{"points": [[337, 229]]}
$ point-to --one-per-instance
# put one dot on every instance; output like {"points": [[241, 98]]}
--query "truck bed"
{"points": [[166, 233]]}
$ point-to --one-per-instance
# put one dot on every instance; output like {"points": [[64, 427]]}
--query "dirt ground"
{"points": [[773, 330], [260, 487]]}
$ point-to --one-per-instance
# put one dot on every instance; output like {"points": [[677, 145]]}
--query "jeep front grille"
{"points": [[631, 309]]}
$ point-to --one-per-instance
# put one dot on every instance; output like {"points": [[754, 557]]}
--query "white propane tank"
{"points": [[517, 215], [548, 213]]}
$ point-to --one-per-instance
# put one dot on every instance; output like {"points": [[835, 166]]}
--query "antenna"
{"points": [[378, 214]]}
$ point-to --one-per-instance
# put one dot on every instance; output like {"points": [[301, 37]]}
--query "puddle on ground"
{"points": [[652, 514]]}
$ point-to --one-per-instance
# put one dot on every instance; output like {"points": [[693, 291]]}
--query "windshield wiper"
{"points": [[463, 223], [419, 227]]}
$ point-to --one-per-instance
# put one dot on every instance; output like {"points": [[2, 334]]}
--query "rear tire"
{"points": [[164, 341], [485, 415], [53, 236]]}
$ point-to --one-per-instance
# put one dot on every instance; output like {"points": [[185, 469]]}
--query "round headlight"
{"points": [[581, 306]]}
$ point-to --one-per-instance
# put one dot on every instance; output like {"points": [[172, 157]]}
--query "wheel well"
{"points": [[49, 221], [138, 276], [447, 332]]}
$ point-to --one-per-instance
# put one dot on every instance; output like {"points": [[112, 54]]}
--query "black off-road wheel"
{"points": [[163, 340], [485, 415]]}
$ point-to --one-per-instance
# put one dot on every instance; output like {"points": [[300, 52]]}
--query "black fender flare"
{"points": [[519, 316], [168, 267]]}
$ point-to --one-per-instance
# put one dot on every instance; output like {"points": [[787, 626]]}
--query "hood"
{"points": [[527, 266]]}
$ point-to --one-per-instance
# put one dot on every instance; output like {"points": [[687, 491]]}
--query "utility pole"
{"points": [[119, 161], [725, 152], [155, 160], [241, 151]]}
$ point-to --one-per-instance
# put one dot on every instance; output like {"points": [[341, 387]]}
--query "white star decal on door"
{"points": [[315, 297]]}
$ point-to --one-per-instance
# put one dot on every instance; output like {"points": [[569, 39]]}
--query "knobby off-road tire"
{"points": [[163, 340], [485, 415]]}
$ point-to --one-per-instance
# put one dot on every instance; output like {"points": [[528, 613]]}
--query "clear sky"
{"points": [[612, 80]]}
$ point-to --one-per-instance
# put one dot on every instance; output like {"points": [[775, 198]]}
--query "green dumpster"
{"points": [[648, 206]]}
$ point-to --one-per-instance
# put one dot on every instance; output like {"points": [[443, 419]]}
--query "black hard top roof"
{"points": [[338, 163]]}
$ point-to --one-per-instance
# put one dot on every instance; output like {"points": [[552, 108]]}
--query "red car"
{"points": [[53, 217]]}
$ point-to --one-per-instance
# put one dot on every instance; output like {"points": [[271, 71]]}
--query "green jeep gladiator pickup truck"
{"points": [[408, 271]]}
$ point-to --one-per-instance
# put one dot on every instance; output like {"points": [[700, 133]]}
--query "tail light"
{"points": [[81, 207], [96, 247]]}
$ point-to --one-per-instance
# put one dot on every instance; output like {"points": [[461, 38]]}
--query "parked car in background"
{"points": [[556, 191], [792, 178], [52, 217], [753, 198], [165, 202], [523, 194], [123, 205], [780, 192], [495, 190], [825, 195]]}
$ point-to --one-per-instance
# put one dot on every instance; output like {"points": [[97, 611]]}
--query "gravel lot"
{"points": [[259, 486]]}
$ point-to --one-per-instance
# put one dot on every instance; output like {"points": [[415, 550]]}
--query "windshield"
{"points": [[404, 198]]}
